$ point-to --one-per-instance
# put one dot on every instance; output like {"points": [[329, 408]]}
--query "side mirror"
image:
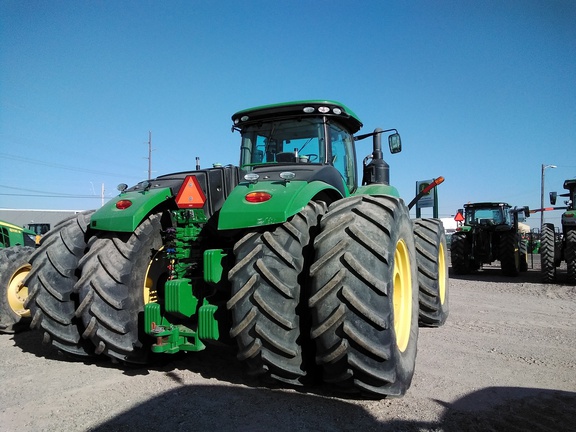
{"points": [[553, 196], [526, 211], [395, 143]]}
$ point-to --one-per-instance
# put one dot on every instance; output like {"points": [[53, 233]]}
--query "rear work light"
{"points": [[123, 204], [190, 194], [258, 197]]}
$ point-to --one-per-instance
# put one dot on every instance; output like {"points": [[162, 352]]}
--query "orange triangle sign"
{"points": [[190, 194]]}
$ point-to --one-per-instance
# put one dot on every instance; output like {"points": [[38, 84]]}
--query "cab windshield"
{"points": [[285, 141], [488, 216], [300, 141]]}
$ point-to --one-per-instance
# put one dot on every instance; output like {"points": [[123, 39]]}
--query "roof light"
{"points": [[287, 175], [244, 118], [337, 111], [123, 204], [258, 197], [324, 109], [251, 177], [308, 110]]}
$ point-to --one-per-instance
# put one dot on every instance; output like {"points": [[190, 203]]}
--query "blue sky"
{"points": [[482, 92]]}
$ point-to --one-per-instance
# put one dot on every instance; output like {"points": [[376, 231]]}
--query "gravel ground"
{"points": [[505, 360]]}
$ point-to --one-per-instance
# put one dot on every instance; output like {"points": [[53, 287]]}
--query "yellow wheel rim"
{"points": [[442, 273], [17, 292], [156, 268], [402, 295]]}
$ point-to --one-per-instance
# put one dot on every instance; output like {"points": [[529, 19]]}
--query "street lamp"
{"points": [[542, 195]]}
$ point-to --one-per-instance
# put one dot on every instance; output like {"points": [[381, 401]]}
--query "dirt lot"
{"points": [[505, 360]]}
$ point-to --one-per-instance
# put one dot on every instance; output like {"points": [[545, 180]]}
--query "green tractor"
{"points": [[16, 247], [490, 233], [557, 248], [284, 256]]}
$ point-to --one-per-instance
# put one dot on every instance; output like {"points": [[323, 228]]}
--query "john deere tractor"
{"points": [[16, 246], [284, 255], [490, 233], [557, 248]]}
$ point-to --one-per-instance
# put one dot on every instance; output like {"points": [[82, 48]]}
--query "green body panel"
{"points": [[377, 189], [109, 218], [288, 198]]}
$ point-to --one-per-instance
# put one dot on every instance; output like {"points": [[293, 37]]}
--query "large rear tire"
{"points": [[118, 273], [432, 271], [266, 293], [14, 266], [364, 300], [52, 300], [547, 247], [509, 253], [570, 254]]}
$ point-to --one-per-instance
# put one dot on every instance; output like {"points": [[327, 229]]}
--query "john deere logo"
{"points": [[423, 186]]}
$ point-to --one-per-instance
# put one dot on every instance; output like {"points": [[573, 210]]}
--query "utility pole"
{"points": [[542, 194], [149, 155]]}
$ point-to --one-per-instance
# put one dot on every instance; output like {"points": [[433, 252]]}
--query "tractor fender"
{"points": [[113, 217], [377, 189], [286, 199]]}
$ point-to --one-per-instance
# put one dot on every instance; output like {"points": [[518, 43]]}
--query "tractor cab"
{"points": [[487, 214], [309, 136], [313, 134]]}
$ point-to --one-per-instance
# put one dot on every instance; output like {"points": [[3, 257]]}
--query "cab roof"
{"points": [[299, 109]]}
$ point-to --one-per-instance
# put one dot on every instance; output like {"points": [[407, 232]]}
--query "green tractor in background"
{"points": [[490, 233], [16, 247], [284, 255], [557, 248]]}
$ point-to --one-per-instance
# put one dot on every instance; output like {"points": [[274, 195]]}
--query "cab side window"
{"points": [[343, 155]]}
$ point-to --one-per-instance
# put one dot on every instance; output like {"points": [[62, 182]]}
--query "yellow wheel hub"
{"points": [[18, 293], [402, 295]]}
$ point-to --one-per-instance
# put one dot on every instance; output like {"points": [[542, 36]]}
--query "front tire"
{"points": [[509, 253], [14, 266], [432, 271], [547, 247], [523, 255], [266, 290], [364, 300], [570, 254], [460, 254]]}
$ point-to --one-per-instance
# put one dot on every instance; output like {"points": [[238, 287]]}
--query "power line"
{"points": [[44, 194], [51, 196], [60, 166]]}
